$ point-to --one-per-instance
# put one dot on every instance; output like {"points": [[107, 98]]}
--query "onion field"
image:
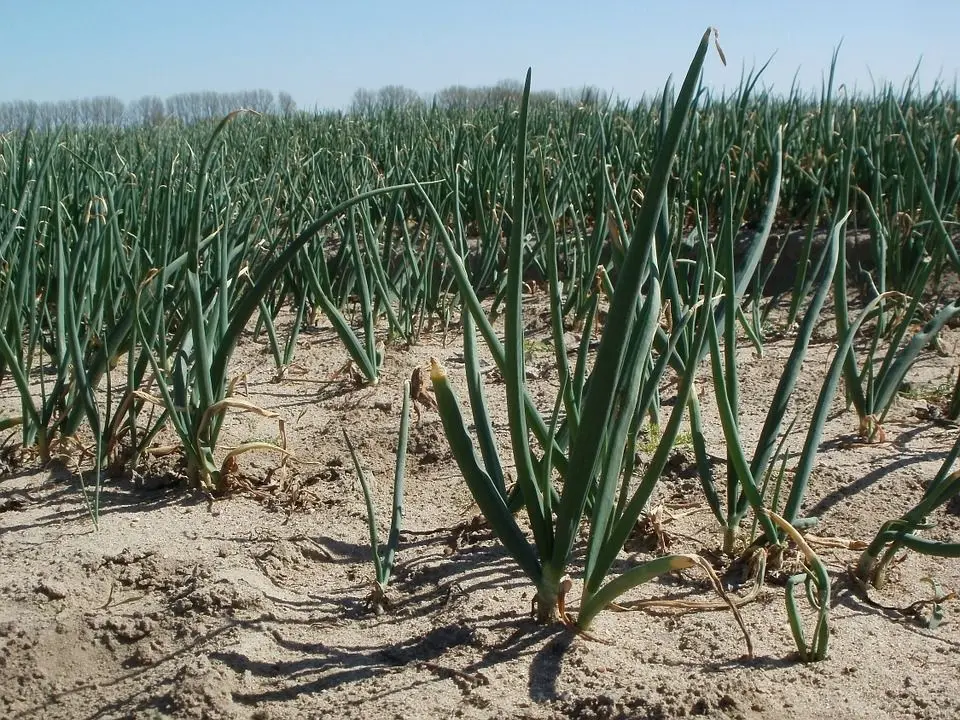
{"points": [[566, 297]]}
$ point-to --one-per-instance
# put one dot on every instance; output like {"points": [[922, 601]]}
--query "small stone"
{"points": [[53, 590]]}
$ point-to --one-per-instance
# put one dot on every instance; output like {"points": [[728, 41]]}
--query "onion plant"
{"points": [[904, 531], [873, 388], [816, 584], [383, 561], [742, 474], [29, 331], [620, 375], [191, 368]]}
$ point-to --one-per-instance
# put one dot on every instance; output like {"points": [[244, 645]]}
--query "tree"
{"points": [[148, 110], [364, 101], [396, 97], [18, 115], [107, 111], [286, 106]]}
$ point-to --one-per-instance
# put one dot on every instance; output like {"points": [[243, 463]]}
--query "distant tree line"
{"points": [[148, 110], [461, 97], [192, 107]]}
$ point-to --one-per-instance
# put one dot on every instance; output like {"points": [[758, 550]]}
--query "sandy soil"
{"points": [[253, 606]]}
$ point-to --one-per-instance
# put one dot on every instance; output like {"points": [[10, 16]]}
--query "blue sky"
{"points": [[321, 52]]}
